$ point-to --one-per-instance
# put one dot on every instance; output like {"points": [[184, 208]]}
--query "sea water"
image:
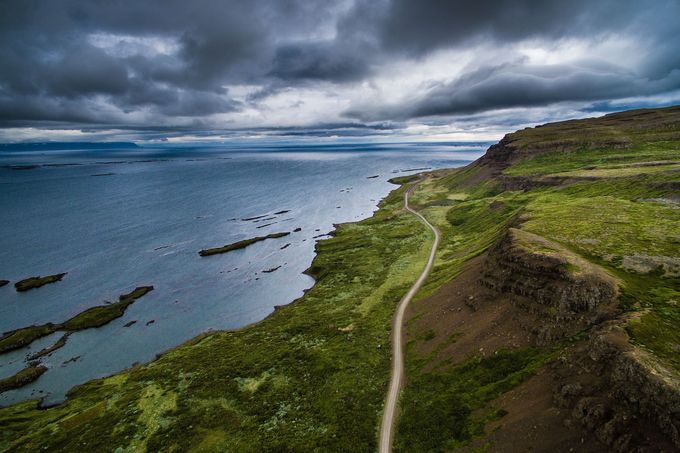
{"points": [[117, 219]]}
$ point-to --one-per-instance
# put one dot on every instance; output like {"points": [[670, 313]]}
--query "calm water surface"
{"points": [[115, 220]]}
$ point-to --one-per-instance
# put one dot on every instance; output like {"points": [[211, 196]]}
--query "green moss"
{"points": [[92, 317], [429, 335], [607, 143], [658, 332], [622, 219], [313, 376], [301, 380], [399, 180], [438, 407], [19, 338]]}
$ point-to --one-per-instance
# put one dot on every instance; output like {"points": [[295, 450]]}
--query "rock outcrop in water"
{"points": [[241, 244], [23, 377], [92, 317], [37, 282]]}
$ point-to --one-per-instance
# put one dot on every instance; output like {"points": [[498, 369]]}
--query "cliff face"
{"points": [[531, 266], [568, 292], [573, 227], [501, 154], [618, 391]]}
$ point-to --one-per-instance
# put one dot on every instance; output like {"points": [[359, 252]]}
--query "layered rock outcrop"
{"points": [[566, 291], [621, 393]]}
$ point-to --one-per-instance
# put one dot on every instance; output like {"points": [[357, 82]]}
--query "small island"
{"points": [[37, 282], [23, 377], [241, 244], [92, 317], [50, 349], [3, 283]]}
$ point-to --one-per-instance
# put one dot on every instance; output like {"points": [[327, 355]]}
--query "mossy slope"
{"points": [[311, 377], [606, 190]]}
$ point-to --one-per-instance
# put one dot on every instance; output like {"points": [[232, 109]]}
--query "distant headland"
{"points": [[62, 146]]}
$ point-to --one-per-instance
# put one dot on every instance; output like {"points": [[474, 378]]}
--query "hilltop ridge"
{"points": [[550, 320], [564, 248]]}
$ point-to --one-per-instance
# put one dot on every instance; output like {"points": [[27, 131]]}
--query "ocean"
{"points": [[117, 219]]}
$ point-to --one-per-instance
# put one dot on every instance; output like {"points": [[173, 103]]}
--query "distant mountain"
{"points": [[58, 146]]}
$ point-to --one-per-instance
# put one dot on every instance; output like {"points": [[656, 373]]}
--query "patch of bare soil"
{"points": [[533, 423], [466, 319]]}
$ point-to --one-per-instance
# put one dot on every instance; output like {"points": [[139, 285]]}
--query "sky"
{"points": [[399, 70]]}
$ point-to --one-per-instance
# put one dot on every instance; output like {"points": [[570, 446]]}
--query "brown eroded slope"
{"points": [[558, 327]]}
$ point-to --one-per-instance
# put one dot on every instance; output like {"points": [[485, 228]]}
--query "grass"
{"points": [[311, 377], [439, 407], [104, 314], [23, 337], [614, 220]]}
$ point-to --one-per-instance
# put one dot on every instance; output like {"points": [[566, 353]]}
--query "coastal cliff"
{"points": [[550, 321], [564, 247]]}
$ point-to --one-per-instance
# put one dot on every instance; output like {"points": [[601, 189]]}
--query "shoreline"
{"points": [[398, 182], [327, 342]]}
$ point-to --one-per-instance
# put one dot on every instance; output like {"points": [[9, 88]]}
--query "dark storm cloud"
{"points": [[526, 85], [170, 63], [318, 61], [523, 85], [419, 28], [422, 26], [48, 59]]}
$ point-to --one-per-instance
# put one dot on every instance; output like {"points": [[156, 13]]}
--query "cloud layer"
{"points": [[299, 67]]}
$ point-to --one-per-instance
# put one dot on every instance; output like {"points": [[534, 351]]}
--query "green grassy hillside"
{"points": [[313, 376], [607, 189]]}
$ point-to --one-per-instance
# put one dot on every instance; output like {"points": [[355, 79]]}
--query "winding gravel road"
{"points": [[390, 412]]}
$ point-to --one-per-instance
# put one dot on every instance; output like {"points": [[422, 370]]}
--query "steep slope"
{"points": [[550, 321], [560, 326]]}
